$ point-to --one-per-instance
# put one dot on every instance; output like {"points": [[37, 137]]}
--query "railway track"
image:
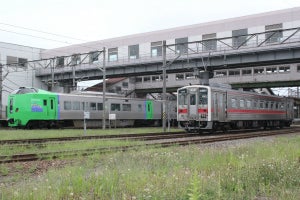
{"points": [[92, 137], [163, 142]]}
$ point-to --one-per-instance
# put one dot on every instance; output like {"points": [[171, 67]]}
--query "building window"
{"points": [[246, 72], [125, 84], [94, 56], [284, 69], [298, 68], [118, 89], [75, 59], [133, 51], [138, 79], [179, 77], [147, 78], [273, 33], [258, 71], [22, 62], [181, 45], [112, 54], [155, 78], [221, 73], [11, 60], [234, 72], [271, 70], [189, 76], [60, 62], [209, 42], [239, 38], [156, 49]]}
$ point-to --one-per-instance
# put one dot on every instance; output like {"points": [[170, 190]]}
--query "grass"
{"points": [[257, 170], [10, 134], [64, 146]]}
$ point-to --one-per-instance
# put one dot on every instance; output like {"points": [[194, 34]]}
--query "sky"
{"points": [[55, 23]]}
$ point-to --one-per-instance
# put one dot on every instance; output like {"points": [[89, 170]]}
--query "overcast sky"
{"points": [[90, 20]]}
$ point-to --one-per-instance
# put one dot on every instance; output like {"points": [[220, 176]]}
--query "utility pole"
{"points": [[1, 89], [52, 74], [164, 85], [103, 91]]}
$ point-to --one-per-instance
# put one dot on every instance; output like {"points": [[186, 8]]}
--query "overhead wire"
{"points": [[49, 39]]}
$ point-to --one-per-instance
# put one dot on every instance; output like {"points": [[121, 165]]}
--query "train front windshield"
{"points": [[186, 96], [203, 96], [182, 97]]}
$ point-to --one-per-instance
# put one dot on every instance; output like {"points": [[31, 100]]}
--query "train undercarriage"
{"points": [[194, 126]]}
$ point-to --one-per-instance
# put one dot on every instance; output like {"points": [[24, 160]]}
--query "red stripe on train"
{"points": [[202, 110], [278, 112], [183, 111]]}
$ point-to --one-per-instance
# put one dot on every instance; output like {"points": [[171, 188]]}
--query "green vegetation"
{"points": [[257, 170], [63, 146], [12, 134]]}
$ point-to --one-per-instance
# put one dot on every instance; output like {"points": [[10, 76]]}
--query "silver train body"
{"points": [[120, 111], [201, 108]]}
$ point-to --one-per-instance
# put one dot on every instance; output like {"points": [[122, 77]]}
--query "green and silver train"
{"points": [[35, 108]]}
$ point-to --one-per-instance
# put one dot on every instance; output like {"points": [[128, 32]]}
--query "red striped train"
{"points": [[206, 108]]}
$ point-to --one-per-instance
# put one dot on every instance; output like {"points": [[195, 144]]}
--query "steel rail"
{"points": [[158, 144]]}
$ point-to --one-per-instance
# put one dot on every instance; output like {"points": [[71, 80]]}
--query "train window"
{"points": [[85, 106], [271, 105], [242, 103], [100, 106], [67, 105], [115, 107], [202, 96], [51, 104], [254, 104], [75, 105], [248, 104], [140, 109], [45, 102], [192, 99], [233, 103], [267, 105], [276, 105], [261, 104], [281, 106], [126, 107], [92, 106]]}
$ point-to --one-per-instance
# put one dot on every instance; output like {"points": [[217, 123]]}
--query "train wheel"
{"points": [[29, 125]]}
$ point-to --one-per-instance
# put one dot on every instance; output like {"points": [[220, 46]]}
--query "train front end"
{"points": [[194, 108]]}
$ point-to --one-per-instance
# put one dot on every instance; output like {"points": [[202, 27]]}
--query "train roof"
{"points": [[31, 90], [234, 90]]}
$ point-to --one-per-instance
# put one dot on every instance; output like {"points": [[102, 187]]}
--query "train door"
{"points": [[222, 106], [215, 106], [149, 109], [219, 106], [193, 110], [52, 108]]}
